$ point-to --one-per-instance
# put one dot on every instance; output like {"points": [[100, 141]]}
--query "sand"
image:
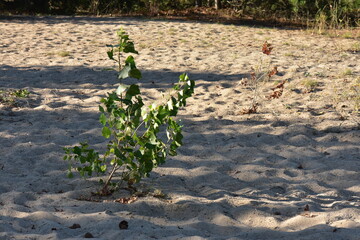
{"points": [[289, 171]]}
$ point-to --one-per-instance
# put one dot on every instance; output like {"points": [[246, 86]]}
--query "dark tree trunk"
{"points": [[217, 4], [198, 3]]}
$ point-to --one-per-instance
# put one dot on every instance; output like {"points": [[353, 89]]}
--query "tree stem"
{"points": [[110, 177]]}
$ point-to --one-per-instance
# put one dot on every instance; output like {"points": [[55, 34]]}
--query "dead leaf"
{"points": [[123, 225], [75, 226], [280, 85], [277, 90], [252, 109], [126, 200], [272, 72], [253, 76], [275, 94], [266, 49], [88, 235], [307, 208]]}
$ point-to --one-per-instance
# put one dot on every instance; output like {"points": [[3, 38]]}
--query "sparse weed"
{"points": [[261, 74], [347, 101], [354, 96]]}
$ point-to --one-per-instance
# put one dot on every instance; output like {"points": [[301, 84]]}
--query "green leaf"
{"points": [[111, 54], [132, 91], [129, 69], [119, 154], [103, 168], [106, 132], [77, 150], [148, 166], [121, 89], [162, 114], [101, 109], [103, 119], [70, 175], [150, 146], [172, 152], [130, 48], [138, 154], [135, 73], [124, 73]]}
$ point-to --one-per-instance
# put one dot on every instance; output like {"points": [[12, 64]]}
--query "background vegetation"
{"points": [[331, 11]]}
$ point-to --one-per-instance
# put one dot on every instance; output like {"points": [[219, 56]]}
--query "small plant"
{"points": [[9, 96], [133, 129], [355, 95], [351, 96], [347, 102], [258, 75]]}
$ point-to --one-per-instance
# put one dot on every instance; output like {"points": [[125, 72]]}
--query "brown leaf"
{"points": [[252, 109], [75, 226], [58, 210], [88, 235], [126, 200], [266, 49], [275, 94], [273, 72], [253, 76], [307, 208], [123, 225], [280, 85], [277, 91]]}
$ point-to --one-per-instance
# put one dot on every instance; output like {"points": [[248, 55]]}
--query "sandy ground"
{"points": [[290, 171]]}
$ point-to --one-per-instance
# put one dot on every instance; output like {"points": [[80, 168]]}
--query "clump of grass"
{"points": [[355, 47], [172, 31], [60, 53], [143, 46], [63, 53], [347, 72], [310, 85], [334, 20], [184, 41]]}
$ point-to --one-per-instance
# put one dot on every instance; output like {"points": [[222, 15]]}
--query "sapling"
{"points": [[133, 129]]}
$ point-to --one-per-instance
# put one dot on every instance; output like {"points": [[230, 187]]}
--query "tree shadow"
{"points": [[76, 78], [195, 18], [226, 168]]}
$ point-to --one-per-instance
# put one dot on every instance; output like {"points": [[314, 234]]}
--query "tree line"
{"points": [[343, 10]]}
